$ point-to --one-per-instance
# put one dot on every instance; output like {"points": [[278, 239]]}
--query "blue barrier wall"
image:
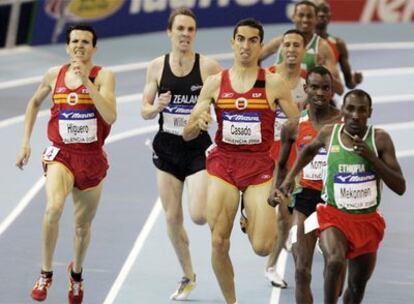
{"points": [[118, 17]]}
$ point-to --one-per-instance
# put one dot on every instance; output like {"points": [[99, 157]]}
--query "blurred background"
{"points": [[36, 22]]}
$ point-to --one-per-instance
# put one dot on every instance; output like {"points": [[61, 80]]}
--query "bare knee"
{"points": [[355, 292], [335, 264], [198, 217], [82, 231], [53, 213], [303, 275], [174, 219], [262, 247], [220, 244]]}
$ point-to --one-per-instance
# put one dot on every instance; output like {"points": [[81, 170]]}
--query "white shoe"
{"points": [[274, 278], [185, 287]]}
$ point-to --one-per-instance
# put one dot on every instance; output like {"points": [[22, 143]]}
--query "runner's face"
{"points": [[356, 112], [305, 18], [319, 90], [293, 48], [246, 45], [80, 45], [182, 33], [323, 16]]}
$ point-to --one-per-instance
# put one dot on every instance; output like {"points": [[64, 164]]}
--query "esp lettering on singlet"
{"points": [[74, 117], [245, 120], [184, 95]]}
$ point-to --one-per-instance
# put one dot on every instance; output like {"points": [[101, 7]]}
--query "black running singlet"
{"points": [[184, 95]]}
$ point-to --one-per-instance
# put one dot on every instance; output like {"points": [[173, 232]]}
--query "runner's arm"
{"points": [[32, 110], [200, 116], [327, 58]]}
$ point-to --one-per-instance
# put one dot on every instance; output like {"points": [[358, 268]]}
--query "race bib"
{"points": [[176, 118], [50, 153], [316, 168], [78, 126], [241, 128], [280, 120], [355, 191]]}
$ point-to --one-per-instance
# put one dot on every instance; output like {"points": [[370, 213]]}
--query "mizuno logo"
{"points": [[195, 87]]}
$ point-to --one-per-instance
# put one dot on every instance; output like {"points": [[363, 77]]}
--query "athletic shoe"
{"points": [[39, 290], [75, 294], [274, 278], [185, 287]]}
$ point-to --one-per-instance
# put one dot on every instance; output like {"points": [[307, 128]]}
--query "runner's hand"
{"points": [[203, 120], [23, 157], [163, 100]]}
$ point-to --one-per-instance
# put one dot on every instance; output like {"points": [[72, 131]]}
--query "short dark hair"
{"points": [[295, 31], [358, 93], [306, 2], [321, 70], [180, 11], [82, 27], [251, 22]]}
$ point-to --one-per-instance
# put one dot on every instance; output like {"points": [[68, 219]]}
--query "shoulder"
{"points": [[154, 68], [323, 43], [274, 81], [209, 65], [53, 71], [326, 130], [105, 72], [156, 63], [51, 75], [105, 76], [214, 80], [381, 136]]}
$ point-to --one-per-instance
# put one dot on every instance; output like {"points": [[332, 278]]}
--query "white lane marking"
{"points": [[16, 50], [381, 46], [280, 269], [136, 249], [388, 72], [393, 98], [405, 153], [39, 184], [397, 126], [22, 205], [219, 56], [133, 97], [18, 119]]}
